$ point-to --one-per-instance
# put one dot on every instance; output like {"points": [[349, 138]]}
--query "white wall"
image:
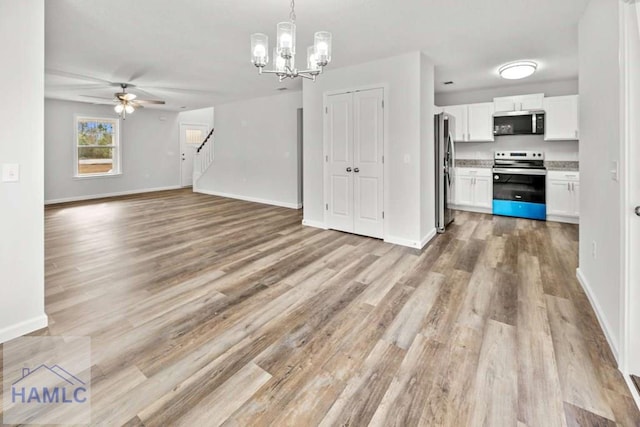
{"points": [[553, 88], [150, 152], [256, 151], [21, 142], [554, 150], [427, 150], [599, 147], [402, 77], [200, 116]]}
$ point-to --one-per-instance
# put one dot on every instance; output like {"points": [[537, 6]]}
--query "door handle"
{"points": [[637, 210], [348, 169], [356, 170]]}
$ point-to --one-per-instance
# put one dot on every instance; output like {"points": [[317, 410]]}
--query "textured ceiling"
{"points": [[195, 53]]}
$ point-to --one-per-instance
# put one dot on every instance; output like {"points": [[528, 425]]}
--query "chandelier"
{"points": [[318, 55]]}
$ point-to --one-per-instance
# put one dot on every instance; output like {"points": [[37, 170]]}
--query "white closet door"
{"points": [[339, 134], [367, 162]]}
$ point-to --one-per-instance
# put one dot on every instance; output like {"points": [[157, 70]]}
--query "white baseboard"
{"points": [[250, 199], [426, 239], [613, 342], [565, 219], [105, 195], [472, 209], [403, 242], [19, 329], [632, 388], [315, 224]]}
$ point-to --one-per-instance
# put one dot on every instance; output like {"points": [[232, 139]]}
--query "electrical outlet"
{"points": [[594, 249], [10, 172]]}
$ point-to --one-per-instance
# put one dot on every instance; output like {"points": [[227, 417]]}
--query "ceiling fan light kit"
{"points": [[318, 55]]}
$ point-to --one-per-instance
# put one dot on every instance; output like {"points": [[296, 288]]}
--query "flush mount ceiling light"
{"points": [[517, 70], [318, 55]]}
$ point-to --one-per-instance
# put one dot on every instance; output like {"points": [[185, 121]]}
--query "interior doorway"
{"points": [[191, 136]]}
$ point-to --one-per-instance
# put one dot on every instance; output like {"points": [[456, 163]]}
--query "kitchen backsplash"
{"points": [[553, 150]]}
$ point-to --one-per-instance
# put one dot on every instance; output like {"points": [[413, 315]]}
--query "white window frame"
{"points": [[116, 170]]}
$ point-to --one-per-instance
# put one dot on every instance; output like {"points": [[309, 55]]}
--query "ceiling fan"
{"points": [[126, 102]]}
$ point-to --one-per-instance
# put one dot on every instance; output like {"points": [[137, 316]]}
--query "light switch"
{"points": [[614, 171], [10, 172]]}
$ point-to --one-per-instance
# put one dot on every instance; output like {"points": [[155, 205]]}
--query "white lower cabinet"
{"points": [[563, 196], [473, 189]]}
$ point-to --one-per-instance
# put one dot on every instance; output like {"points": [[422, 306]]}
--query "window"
{"points": [[97, 150]]}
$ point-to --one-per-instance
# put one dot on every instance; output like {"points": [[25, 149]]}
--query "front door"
{"points": [[191, 136], [354, 130]]}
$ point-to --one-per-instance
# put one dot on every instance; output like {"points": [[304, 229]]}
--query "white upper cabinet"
{"points": [[561, 118], [506, 104], [459, 113], [480, 122], [473, 122]]}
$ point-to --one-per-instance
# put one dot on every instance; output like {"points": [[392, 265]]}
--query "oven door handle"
{"points": [[515, 171]]}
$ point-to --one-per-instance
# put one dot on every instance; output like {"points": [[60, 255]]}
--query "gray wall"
{"points": [[553, 150], [21, 142], [599, 147], [554, 88], [256, 151], [150, 152]]}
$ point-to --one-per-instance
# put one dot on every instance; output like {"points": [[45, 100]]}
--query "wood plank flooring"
{"points": [[206, 311]]}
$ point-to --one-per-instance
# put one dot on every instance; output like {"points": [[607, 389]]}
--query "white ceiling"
{"points": [[195, 53]]}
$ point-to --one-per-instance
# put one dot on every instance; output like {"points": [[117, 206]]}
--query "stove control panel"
{"points": [[518, 155]]}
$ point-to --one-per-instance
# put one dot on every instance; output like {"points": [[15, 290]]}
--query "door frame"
{"points": [[180, 125], [385, 148], [629, 129]]}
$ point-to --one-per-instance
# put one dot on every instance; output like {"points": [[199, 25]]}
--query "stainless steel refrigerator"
{"points": [[445, 162]]}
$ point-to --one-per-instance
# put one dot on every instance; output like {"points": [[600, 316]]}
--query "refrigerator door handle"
{"points": [[452, 150]]}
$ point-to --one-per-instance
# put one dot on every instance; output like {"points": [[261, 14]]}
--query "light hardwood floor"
{"points": [[208, 311]]}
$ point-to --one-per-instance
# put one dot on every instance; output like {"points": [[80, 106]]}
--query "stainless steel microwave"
{"points": [[519, 123]]}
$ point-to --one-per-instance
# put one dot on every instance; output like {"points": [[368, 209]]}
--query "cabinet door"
{"points": [[504, 104], [480, 121], [559, 198], [464, 190], [561, 118], [459, 112], [483, 192], [575, 197], [531, 102]]}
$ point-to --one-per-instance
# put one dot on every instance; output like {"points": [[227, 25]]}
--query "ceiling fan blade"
{"points": [[78, 87], [185, 91], [149, 101], [69, 75], [126, 96], [135, 105], [97, 97]]}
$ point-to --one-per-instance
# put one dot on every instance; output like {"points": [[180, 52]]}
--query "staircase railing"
{"points": [[204, 157]]}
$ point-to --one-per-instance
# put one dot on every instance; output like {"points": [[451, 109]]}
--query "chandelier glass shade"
{"points": [[284, 53]]}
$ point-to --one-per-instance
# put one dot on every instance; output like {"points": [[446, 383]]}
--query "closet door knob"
{"points": [[348, 169], [356, 170]]}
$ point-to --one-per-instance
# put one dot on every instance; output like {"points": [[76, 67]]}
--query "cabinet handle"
{"points": [[573, 188], [568, 186]]}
